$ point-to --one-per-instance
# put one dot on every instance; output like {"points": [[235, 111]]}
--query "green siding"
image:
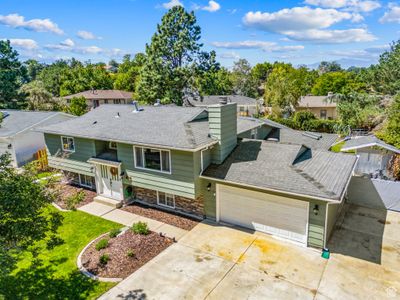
{"points": [[181, 182], [223, 126]]}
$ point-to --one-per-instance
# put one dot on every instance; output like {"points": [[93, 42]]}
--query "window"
{"points": [[165, 199], [105, 101], [113, 145], [86, 181], [117, 101], [323, 113], [153, 159], [68, 144]]}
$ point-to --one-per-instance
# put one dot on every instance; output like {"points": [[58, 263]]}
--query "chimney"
{"points": [[222, 121]]}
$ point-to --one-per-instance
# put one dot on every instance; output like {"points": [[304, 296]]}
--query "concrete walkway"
{"points": [[127, 219], [222, 262]]}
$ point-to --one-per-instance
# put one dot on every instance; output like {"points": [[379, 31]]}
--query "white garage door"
{"points": [[279, 216]]}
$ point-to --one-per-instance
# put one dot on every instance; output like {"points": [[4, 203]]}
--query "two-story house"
{"points": [[206, 163]]}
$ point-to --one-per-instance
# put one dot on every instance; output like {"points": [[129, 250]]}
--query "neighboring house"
{"points": [[321, 106], [205, 163], [97, 97], [373, 182], [18, 136], [246, 106]]}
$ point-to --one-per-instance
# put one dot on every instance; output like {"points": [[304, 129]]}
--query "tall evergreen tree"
{"points": [[172, 56], [12, 75]]}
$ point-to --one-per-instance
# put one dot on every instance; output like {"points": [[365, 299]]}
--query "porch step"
{"points": [[108, 201]]}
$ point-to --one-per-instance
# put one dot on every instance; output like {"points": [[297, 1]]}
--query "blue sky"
{"points": [[352, 32]]}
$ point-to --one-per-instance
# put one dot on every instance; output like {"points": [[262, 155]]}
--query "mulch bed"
{"points": [[65, 190], [120, 265], [162, 216]]}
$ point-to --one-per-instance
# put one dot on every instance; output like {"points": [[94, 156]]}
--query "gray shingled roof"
{"points": [[19, 120], [102, 94], [164, 126], [287, 168], [215, 99], [315, 101], [366, 142], [244, 124]]}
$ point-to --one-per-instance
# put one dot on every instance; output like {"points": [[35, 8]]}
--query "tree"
{"points": [[53, 76], [171, 58], [33, 68], [128, 72], [243, 81], [359, 110], [285, 85], [78, 106], [391, 130], [338, 83], [23, 204], [12, 75], [38, 97], [326, 67], [386, 75], [260, 73]]}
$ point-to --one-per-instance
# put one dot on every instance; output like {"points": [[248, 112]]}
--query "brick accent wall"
{"points": [[182, 204]]}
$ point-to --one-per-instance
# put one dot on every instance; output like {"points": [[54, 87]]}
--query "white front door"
{"points": [[110, 182], [276, 215]]}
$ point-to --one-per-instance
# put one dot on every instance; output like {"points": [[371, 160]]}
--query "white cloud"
{"points": [[171, 4], [212, 6], [265, 46], [371, 53], [353, 5], [232, 11], [332, 36], [68, 43], [295, 19], [38, 25], [392, 15], [229, 55], [87, 35], [27, 44]]}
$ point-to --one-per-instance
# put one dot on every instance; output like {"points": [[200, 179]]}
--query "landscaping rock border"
{"points": [[85, 272]]}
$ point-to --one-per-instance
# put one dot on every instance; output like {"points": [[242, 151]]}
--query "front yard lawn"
{"points": [[54, 274]]}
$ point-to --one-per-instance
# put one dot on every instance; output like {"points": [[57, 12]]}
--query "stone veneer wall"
{"points": [[182, 204]]}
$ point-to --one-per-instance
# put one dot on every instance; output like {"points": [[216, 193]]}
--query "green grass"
{"points": [[44, 174], [54, 274], [337, 147]]}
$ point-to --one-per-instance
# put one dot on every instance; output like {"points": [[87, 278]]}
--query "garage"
{"points": [[272, 214]]}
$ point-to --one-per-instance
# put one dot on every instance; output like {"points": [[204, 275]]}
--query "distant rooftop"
{"points": [[102, 94], [315, 101], [367, 142], [215, 99]]}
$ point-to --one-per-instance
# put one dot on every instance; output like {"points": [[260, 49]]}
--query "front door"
{"points": [[111, 184]]}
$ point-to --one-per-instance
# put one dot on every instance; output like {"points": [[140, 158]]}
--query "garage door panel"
{"points": [[264, 212]]}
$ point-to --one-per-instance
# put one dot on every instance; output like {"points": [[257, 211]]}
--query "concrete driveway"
{"points": [[222, 262]]}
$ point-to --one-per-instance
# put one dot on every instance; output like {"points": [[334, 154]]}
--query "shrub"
{"points": [[130, 253], [101, 244], [113, 233], [74, 200], [140, 228], [104, 259]]}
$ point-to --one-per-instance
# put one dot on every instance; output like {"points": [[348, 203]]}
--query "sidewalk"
{"points": [[127, 219]]}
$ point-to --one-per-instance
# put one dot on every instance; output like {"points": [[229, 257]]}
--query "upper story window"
{"points": [[153, 159], [68, 144]]}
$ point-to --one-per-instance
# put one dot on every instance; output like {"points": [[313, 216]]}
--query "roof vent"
{"points": [[136, 107], [313, 135], [158, 102], [4, 114], [117, 115], [223, 100]]}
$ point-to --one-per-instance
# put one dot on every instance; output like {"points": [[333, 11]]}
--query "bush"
{"points": [[140, 228], [113, 233], [302, 121], [101, 244], [74, 200], [130, 253], [104, 259]]}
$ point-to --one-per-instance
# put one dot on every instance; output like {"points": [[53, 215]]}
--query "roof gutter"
{"points": [[272, 190], [135, 144]]}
